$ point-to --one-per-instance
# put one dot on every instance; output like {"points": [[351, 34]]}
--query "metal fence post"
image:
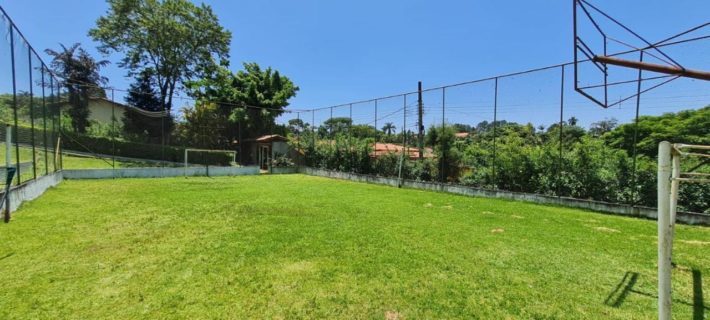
{"points": [[495, 125], [54, 103], [350, 139], [376, 134], [561, 128], [634, 177], [330, 130], [44, 124], [32, 115], [298, 138], [442, 177], [404, 140], [14, 105], [113, 131]]}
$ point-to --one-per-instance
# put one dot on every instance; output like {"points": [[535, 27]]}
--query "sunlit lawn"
{"points": [[305, 247]]}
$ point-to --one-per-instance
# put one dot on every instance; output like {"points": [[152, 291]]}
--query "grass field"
{"points": [[296, 246]]}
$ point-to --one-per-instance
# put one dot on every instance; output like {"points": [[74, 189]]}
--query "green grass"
{"points": [[305, 247]]}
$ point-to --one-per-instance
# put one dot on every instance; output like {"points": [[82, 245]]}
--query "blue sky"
{"points": [[338, 51]]}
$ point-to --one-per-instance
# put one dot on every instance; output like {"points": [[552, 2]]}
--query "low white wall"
{"points": [[32, 189], [160, 172], [599, 206]]}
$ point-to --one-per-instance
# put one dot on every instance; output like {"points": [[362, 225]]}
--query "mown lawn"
{"points": [[305, 247]]}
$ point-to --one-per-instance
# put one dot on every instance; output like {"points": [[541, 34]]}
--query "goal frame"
{"points": [[188, 150], [669, 179]]}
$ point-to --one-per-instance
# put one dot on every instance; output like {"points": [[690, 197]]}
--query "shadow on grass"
{"points": [[626, 287], [12, 254], [622, 290], [698, 303]]}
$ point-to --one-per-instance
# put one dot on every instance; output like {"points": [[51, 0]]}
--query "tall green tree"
{"points": [[174, 39], [250, 99], [80, 76], [389, 128], [142, 96]]}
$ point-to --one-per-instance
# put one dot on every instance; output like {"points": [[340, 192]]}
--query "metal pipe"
{"points": [[636, 132], [677, 71]]}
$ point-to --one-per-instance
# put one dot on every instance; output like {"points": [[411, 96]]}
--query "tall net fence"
{"points": [[30, 102], [525, 132]]}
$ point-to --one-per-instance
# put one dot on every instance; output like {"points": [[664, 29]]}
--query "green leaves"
{"points": [[249, 100], [176, 39]]}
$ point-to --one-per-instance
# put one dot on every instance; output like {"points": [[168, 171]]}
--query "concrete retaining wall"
{"points": [[32, 189], [160, 172], [598, 206]]}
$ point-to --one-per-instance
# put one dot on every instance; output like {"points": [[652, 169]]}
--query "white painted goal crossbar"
{"points": [[188, 150]]}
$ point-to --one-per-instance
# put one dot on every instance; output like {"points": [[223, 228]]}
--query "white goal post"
{"points": [[188, 150], [669, 179]]}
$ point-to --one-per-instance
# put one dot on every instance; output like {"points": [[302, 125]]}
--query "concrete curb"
{"points": [[31, 190], [160, 172]]}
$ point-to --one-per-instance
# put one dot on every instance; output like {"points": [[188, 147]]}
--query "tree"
{"points": [[250, 99], [142, 95], [572, 121], [336, 125], [442, 139], [203, 126], [688, 126], [297, 126], [81, 78], [388, 128], [597, 129], [174, 39]]}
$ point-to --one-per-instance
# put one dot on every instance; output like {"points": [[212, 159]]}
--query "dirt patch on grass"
{"points": [[428, 205], [393, 315], [487, 212], [696, 242], [497, 230], [300, 266], [605, 229]]}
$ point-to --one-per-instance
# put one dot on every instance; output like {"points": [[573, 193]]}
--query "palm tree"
{"points": [[80, 75], [388, 128], [573, 121]]}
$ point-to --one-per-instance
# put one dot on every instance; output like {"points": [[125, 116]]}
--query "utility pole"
{"points": [[421, 125]]}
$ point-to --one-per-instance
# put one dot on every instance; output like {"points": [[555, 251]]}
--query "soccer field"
{"points": [[296, 246]]}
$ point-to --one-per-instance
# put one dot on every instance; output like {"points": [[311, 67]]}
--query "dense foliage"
{"points": [[80, 76], [246, 103], [593, 164]]}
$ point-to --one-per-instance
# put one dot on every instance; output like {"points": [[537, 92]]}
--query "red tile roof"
{"points": [[270, 138], [412, 152]]}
